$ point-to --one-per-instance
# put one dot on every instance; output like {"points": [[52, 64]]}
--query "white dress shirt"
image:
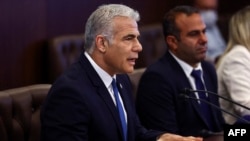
{"points": [[107, 80], [188, 70]]}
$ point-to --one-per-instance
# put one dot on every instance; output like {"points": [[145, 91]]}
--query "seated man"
{"points": [[159, 101], [92, 100]]}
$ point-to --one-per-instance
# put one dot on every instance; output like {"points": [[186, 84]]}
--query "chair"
{"points": [[63, 51], [20, 112], [135, 77], [153, 44]]}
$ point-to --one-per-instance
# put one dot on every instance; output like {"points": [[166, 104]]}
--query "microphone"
{"points": [[188, 91], [185, 96]]}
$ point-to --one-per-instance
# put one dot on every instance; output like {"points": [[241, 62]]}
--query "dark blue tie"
{"points": [[205, 108], [120, 110]]}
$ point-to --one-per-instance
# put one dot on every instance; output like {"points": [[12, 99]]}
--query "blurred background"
{"points": [[27, 26]]}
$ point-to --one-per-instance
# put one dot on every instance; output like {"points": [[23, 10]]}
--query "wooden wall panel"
{"points": [[26, 25], [21, 24]]}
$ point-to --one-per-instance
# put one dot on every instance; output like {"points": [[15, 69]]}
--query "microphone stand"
{"points": [[229, 100], [215, 106]]}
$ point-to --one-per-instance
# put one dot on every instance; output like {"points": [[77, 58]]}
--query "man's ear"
{"points": [[101, 43], [172, 42]]}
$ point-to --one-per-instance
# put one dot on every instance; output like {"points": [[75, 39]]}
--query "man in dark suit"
{"points": [[92, 100], [160, 102]]}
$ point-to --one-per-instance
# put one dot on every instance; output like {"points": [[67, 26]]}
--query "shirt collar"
{"points": [[186, 67], [106, 78]]}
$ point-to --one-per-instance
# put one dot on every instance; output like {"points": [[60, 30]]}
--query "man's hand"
{"points": [[174, 137]]}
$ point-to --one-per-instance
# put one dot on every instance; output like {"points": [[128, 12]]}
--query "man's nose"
{"points": [[138, 46], [203, 38]]}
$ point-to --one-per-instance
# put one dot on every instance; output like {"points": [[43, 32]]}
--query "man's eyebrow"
{"points": [[193, 31], [130, 36], [196, 31]]}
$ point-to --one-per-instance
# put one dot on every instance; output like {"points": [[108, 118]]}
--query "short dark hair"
{"points": [[169, 25]]}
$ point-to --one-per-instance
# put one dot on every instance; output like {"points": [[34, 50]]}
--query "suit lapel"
{"points": [[186, 84], [210, 97], [101, 89], [104, 93], [196, 106], [124, 92]]}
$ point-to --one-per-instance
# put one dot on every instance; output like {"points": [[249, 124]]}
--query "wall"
{"points": [[26, 25]]}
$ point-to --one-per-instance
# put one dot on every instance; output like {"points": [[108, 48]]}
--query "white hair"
{"points": [[100, 22]]}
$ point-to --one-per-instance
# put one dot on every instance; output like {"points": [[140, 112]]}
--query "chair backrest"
{"points": [[63, 51], [153, 44], [135, 77], [20, 112]]}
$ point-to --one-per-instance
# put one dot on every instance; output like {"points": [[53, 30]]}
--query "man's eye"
{"points": [[193, 33], [129, 38]]}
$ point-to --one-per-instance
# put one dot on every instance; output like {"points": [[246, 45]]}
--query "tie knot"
{"points": [[114, 83], [196, 74]]}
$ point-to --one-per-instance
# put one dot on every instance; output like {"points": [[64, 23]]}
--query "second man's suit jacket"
{"points": [[80, 108], [160, 104]]}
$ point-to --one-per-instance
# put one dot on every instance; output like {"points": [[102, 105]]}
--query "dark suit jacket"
{"points": [[79, 108], [160, 106]]}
